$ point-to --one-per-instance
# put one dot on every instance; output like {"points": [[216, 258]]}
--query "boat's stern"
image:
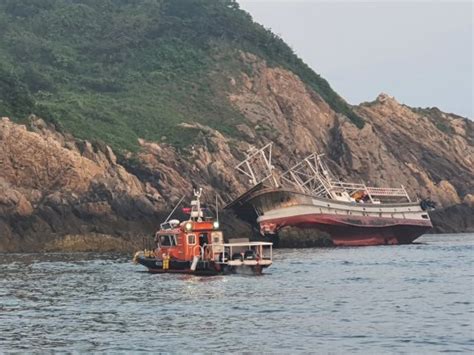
{"points": [[243, 257]]}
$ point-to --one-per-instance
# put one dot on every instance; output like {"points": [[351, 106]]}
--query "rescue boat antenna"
{"points": [[197, 194], [217, 210], [174, 209]]}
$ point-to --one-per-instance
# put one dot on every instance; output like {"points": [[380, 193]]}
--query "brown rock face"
{"points": [[52, 185], [279, 107], [430, 152], [434, 148]]}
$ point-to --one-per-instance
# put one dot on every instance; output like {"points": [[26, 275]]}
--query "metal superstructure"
{"points": [[258, 167], [312, 176]]}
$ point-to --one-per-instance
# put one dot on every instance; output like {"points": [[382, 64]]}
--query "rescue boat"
{"points": [[197, 246]]}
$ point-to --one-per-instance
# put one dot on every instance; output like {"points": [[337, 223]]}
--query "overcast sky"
{"points": [[420, 52]]}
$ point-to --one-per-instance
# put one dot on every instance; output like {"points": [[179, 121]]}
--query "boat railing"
{"points": [[388, 191], [263, 250], [348, 185], [373, 191]]}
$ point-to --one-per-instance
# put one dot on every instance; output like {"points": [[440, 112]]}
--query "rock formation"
{"points": [[52, 185], [430, 152], [55, 188]]}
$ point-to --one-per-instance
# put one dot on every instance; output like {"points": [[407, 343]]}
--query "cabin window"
{"points": [[168, 241], [165, 241], [191, 239]]}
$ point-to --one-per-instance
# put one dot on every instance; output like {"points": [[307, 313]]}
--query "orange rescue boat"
{"points": [[197, 246]]}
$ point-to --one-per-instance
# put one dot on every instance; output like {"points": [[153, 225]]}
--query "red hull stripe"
{"points": [[354, 221], [355, 231]]}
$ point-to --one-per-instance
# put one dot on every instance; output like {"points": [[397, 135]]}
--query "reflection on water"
{"points": [[412, 298]]}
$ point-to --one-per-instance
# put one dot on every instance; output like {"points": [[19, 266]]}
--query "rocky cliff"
{"points": [[54, 187], [139, 100]]}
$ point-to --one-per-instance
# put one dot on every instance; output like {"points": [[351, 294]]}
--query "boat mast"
{"points": [[197, 194], [258, 166], [174, 209], [217, 210], [309, 176]]}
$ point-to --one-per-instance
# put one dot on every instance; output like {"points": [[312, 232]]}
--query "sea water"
{"points": [[411, 298]]}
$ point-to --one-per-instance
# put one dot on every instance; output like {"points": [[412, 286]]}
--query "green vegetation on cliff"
{"points": [[116, 70]]}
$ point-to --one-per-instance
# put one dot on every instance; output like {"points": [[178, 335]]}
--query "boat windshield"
{"points": [[168, 240]]}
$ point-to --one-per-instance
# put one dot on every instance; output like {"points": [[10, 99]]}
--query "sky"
{"points": [[420, 52]]}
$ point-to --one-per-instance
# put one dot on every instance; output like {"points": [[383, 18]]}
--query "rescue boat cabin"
{"points": [[188, 239]]}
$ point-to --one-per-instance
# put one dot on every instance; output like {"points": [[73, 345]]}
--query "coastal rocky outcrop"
{"points": [[430, 152], [52, 185], [56, 189]]}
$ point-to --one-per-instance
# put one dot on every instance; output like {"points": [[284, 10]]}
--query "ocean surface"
{"points": [[414, 298]]}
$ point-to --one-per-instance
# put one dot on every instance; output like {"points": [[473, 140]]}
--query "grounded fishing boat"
{"points": [[196, 246], [309, 196]]}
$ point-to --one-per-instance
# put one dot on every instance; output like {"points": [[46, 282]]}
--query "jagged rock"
{"points": [[293, 237], [92, 242], [14, 203], [397, 146], [469, 200], [54, 185], [49, 186], [453, 219]]}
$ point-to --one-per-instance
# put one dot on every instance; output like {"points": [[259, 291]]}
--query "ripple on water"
{"points": [[413, 298]]}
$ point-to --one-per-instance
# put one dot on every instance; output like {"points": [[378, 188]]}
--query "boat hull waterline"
{"points": [[203, 268], [353, 231]]}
